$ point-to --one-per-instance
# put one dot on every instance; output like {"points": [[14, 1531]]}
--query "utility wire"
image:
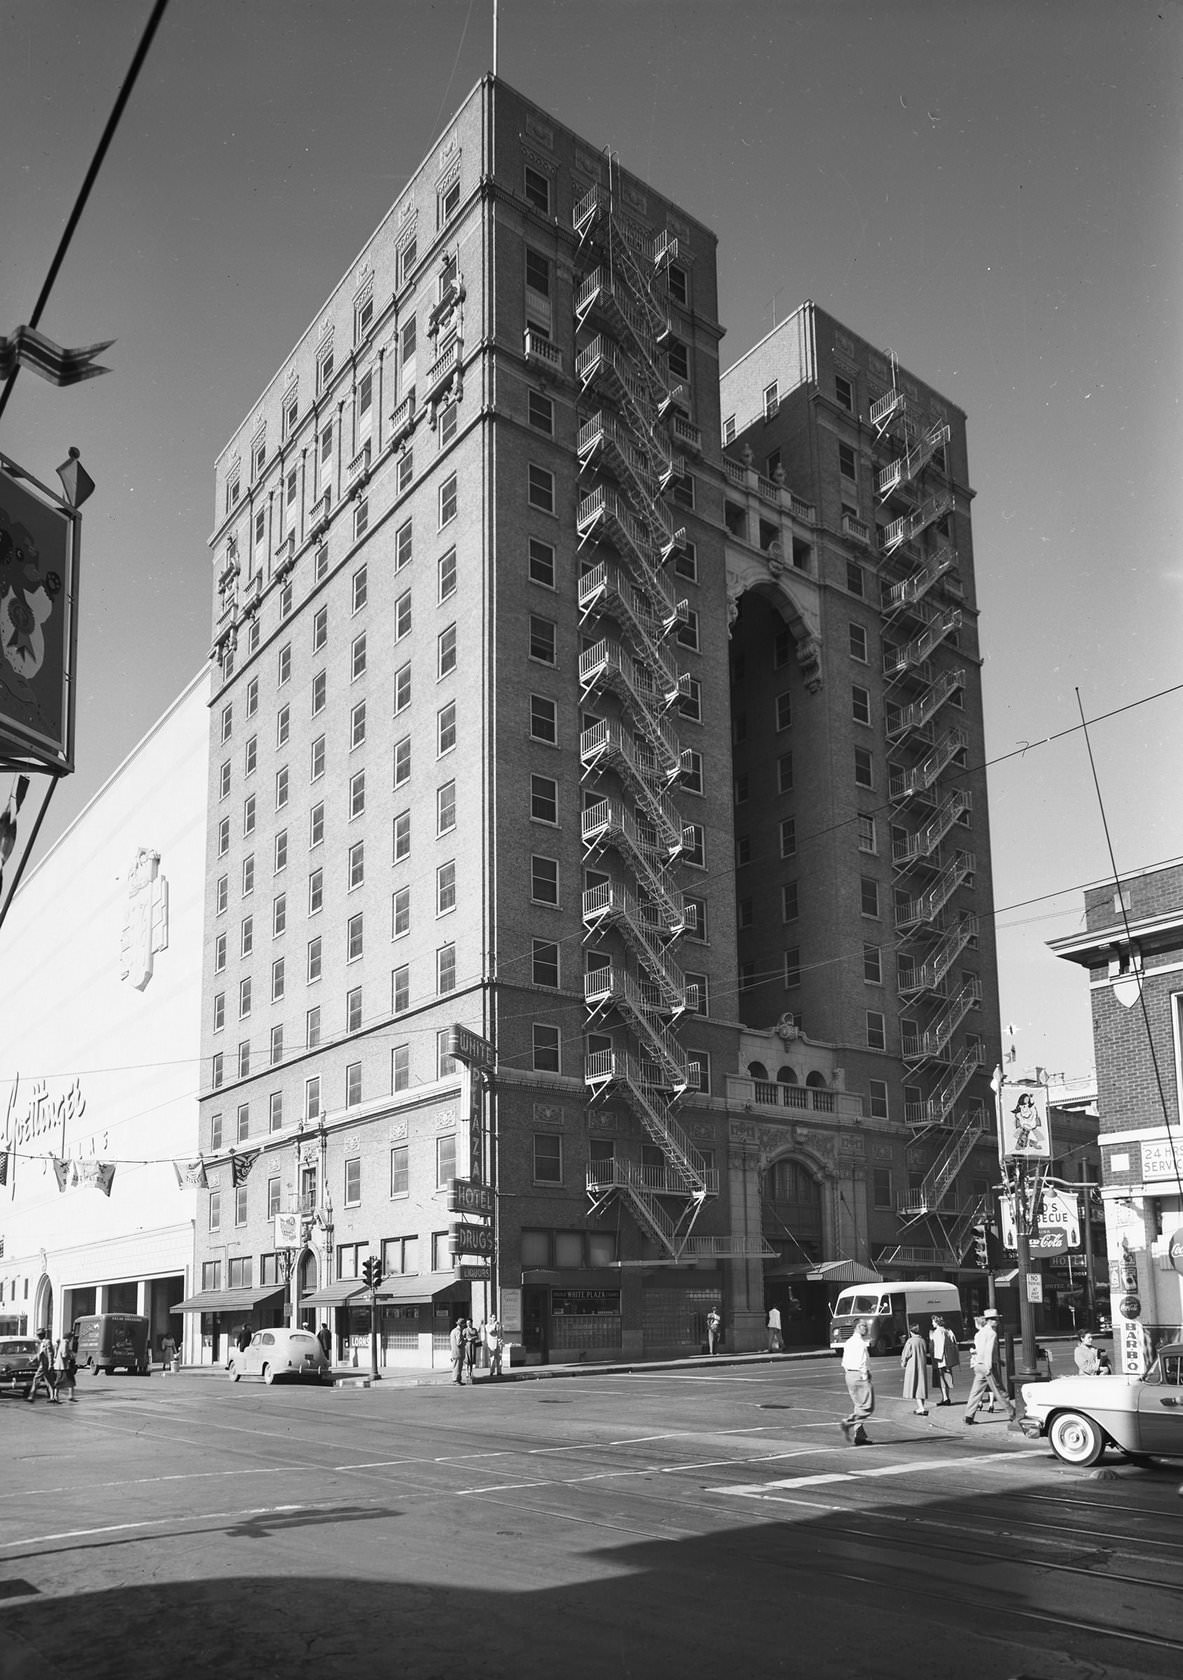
{"points": [[96, 163]]}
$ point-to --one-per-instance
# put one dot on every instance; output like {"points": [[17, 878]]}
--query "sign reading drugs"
{"points": [[471, 1239], [38, 631], [1022, 1112]]}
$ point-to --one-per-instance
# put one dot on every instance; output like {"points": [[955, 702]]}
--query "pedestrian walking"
{"points": [[914, 1364], [67, 1367], [945, 1358], [168, 1353], [775, 1339], [495, 1342], [714, 1331], [325, 1338], [43, 1375], [986, 1368], [457, 1350], [856, 1368]]}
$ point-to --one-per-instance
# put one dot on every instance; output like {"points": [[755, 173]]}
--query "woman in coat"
{"points": [[914, 1360]]}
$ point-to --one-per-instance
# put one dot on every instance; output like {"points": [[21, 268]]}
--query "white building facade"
{"points": [[100, 993]]}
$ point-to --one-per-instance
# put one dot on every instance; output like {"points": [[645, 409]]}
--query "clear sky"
{"points": [[990, 188]]}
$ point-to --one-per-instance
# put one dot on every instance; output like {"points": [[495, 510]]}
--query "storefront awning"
{"points": [[1006, 1280], [228, 1300], [335, 1294], [406, 1291], [842, 1271]]}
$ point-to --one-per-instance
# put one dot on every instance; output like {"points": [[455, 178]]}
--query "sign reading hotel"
{"points": [[38, 562]]}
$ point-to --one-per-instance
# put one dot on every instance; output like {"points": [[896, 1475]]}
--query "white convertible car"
{"points": [[1081, 1416]]}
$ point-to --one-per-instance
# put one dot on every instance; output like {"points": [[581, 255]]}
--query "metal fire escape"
{"points": [[923, 682], [631, 759]]}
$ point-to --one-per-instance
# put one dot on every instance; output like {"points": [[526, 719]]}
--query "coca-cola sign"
{"points": [[1175, 1250]]}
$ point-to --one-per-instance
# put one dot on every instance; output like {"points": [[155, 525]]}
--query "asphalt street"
{"points": [[703, 1521]]}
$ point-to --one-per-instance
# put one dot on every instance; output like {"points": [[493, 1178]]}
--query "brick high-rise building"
{"points": [[477, 555]]}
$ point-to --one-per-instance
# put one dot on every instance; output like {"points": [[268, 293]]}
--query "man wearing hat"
{"points": [[985, 1366]]}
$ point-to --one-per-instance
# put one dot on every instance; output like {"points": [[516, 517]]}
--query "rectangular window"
{"points": [[866, 835], [357, 657], [215, 1210], [536, 187], [220, 953], [402, 616], [544, 880], [447, 575], [696, 918], [248, 815], [788, 837], [400, 989], [541, 489], [869, 895], [877, 1099], [546, 1048], [448, 500], [790, 901], [445, 969], [357, 726], [844, 393], [872, 965], [312, 1098], [240, 1211], [400, 914], [222, 894], [544, 724], [690, 703], [541, 408], [784, 773], [402, 689], [876, 1030], [314, 958], [282, 787], [860, 704], [243, 1123], [401, 831], [277, 980], [400, 1067], [312, 1027], [356, 871], [400, 1171], [692, 764], [276, 1044], [449, 203], [445, 888], [792, 966], [357, 793], [858, 643], [353, 1179], [542, 563], [446, 651], [445, 1161], [320, 629], [316, 895], [281, 850], [846, 461], [402, 761], [854, 577], [360, 588], [316, 767], [275, 1112], [244, 997], [548, 1158], [545, 963], [694, 845], [445, 808], [544, 799], [248, 875], [446, 729], [700, 1071], [354, 937], [543, 640], [864, 771], [244, 1059]]}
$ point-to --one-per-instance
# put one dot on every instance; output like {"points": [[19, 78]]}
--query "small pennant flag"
{"points": [[190, 1173], [4, 1165], [31, 349], [241, 1166], [61, 1171]]}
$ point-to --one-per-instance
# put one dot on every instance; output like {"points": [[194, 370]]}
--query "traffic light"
{"points": [[982, 1246], [371, 1271]]}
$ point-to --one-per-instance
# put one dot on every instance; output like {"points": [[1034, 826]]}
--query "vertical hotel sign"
{"points": [[38, 623]]}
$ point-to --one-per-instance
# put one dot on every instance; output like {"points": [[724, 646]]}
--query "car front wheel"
{"points": [[1076, 1438]]}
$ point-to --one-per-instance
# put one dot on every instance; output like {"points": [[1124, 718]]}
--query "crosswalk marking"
{"points": [[760, 1490]]}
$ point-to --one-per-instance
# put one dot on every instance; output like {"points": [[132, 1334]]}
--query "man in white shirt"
{"points": [[775, 1340], [856, 1369]]}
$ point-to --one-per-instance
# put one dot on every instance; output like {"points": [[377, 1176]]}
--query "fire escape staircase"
{"points": [[926, 906], [631, 759], [944, 1169], [929, 976], [909, 526], [902, 721], [937, 1109], [932, 1044], [907, 467]]}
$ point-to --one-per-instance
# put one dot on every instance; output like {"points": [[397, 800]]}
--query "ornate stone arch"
{"points": [[793, 595]]}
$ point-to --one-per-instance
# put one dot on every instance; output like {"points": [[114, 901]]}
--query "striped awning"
{"points": [[842, 1271]]}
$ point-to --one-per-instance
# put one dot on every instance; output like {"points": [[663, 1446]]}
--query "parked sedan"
{"points": [[1081, 1416], [18, 1363], [273, 1354]]}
